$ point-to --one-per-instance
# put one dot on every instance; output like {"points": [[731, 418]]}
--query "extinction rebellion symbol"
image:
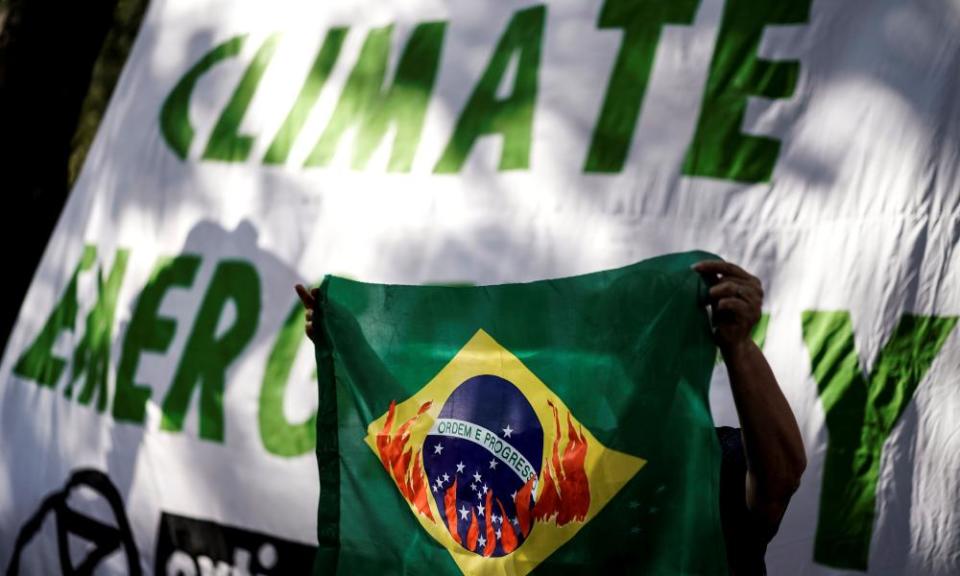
{"points": [[105, 539], [490, 461]]}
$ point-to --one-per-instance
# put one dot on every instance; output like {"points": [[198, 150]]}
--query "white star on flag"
{"points": [[438, 449], [507, 431], [498, 533], [446, 478], [494, 518], [473, 487], [479, 510], [434, 488], [484, 488], [514, 495], [483, 541], [493, 463], [464, 512], [460, 467], [477, 476]]}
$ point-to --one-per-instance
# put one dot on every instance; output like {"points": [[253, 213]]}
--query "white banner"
{"points": [[158, 393]]}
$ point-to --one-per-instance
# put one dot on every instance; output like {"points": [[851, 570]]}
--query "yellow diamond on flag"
{"points": [[493, 464]]}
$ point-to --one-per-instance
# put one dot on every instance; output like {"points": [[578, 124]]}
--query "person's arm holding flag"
{"points": [[775, 457]]}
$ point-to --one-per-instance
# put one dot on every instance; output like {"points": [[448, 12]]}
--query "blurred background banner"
{"points": [[157, 396]]}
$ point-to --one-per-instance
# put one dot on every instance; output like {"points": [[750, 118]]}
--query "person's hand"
{"points": [[736, 297], [309, 300]]}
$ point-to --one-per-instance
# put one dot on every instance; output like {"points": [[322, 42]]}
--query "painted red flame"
{"points": [[565, 496], [522, 502], [396, 457], [491, 536], [566, 488], [508, 538], [450, 507], [574, 486], [473, 532]]}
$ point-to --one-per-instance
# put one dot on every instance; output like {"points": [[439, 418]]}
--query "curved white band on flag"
{"points": [[500, 448]]}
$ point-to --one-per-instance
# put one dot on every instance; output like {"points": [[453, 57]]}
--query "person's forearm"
{"points": [[772, 441]]}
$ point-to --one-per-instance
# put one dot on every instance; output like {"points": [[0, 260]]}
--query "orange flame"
{"points": [[473, 532], [566, 488], [491, 536], [396, 457], [522, 502], [450, 508], [508, 539]]}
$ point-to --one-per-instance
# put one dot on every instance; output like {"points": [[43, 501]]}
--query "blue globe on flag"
{"points": [[482, 458]]}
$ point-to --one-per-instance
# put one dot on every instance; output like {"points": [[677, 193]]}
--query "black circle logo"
{"points": [[105, 539]]}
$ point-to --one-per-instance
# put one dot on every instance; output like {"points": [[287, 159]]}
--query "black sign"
{"points": [[104, 538], [191, 547]]}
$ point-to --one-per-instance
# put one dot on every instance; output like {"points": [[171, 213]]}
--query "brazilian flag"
{"points": [[553, 427]]}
